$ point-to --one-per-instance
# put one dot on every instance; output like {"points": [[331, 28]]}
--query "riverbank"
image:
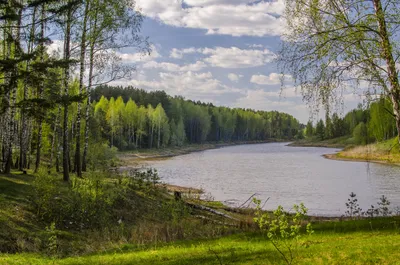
{"points": [[134, 158], [386, 152], [341, 142]]}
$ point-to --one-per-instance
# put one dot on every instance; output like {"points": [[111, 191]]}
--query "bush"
{"points": [[283, 228], [360, 134], [101, 157], [83, 203]]}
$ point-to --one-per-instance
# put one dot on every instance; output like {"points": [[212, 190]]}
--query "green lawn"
{"points": [[329, 248]]}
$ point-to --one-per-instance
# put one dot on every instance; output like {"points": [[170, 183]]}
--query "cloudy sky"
{"points": [[218, 51]]}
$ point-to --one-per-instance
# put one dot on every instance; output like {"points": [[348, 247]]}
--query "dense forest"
{"points": [[133, 118], [52, 54], [375, 123]]}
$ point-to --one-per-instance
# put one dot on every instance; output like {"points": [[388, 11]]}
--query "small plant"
{"points": [[372, 212], [283, 228], [353, 208], [52, 241], [384, 206]]}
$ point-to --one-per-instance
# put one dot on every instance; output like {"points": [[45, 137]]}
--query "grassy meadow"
{"points": [[27, 237]]}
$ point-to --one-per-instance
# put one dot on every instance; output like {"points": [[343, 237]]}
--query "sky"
{"points": [[218, 51]]}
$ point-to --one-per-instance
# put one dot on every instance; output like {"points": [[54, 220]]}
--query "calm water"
{"points": [[286, 175]]}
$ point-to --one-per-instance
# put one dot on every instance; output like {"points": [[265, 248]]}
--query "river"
{"points": [[286, 175]]}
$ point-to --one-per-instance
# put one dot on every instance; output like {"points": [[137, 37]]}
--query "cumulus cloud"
{"points": [[263, 100], [139, 57], [234, 77], [216, 2], [232, 57], [171, 67], [271, 79], [193, 85], [178, 54], [233, 17], [237, 58]]}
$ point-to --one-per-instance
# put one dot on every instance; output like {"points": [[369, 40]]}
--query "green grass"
{"points": [[366, 241], [385, 152], [340, 142], [327, 248]]}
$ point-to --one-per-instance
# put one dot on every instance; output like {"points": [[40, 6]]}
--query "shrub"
{"points": [[283, 228], [101, 156]]}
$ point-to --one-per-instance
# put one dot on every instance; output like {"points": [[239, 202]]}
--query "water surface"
{"points": [[286, 175]]}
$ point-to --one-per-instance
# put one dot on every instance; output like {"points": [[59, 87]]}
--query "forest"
{"points": [[363, 125], [133, 118], [52, 54]]}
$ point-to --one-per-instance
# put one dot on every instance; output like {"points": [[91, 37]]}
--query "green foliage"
{"points": [[320, 130], [309, 130], [360, 134], [154, 120], [381, 125], [85, 203], [282, 228], [52, 241], [101, 156]]}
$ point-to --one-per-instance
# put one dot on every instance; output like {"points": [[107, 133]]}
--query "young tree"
{"points": [[330, 45], [320, 130], [309, 130]]}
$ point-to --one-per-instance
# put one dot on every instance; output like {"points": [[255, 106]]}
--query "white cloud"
{"points": [[261, 100], [234, 77], [171, 67], [139, 57], [216, 2], [271, 79], [232, 57], [256, 46], [178, 54], [287, 92], [237, 58], [192, 85], [234, 17]]}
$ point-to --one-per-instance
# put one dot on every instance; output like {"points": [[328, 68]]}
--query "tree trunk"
{"points": [[40, 90], [78, 165], [55, 132], [390, 63], [66, 94], [24, 133]]}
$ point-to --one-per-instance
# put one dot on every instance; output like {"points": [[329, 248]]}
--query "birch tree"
{"points": [[330, 46]]}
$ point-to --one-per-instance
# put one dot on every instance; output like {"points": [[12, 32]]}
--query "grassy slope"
{"points": [[328, 248], [387, 152], [383, 152], [338, 242]]}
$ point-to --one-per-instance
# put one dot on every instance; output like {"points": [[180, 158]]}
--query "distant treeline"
{"points": [[364, 125], [134, 118]]}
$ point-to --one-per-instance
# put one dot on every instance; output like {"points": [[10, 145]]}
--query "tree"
{"points": [[320, 130], [309, 130], [161, 122], [178, 135], [131, 117], [330, 45], [360, 134], [381, 124]]}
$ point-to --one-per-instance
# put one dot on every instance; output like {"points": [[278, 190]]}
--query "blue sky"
{"points": [[219, 51]]}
